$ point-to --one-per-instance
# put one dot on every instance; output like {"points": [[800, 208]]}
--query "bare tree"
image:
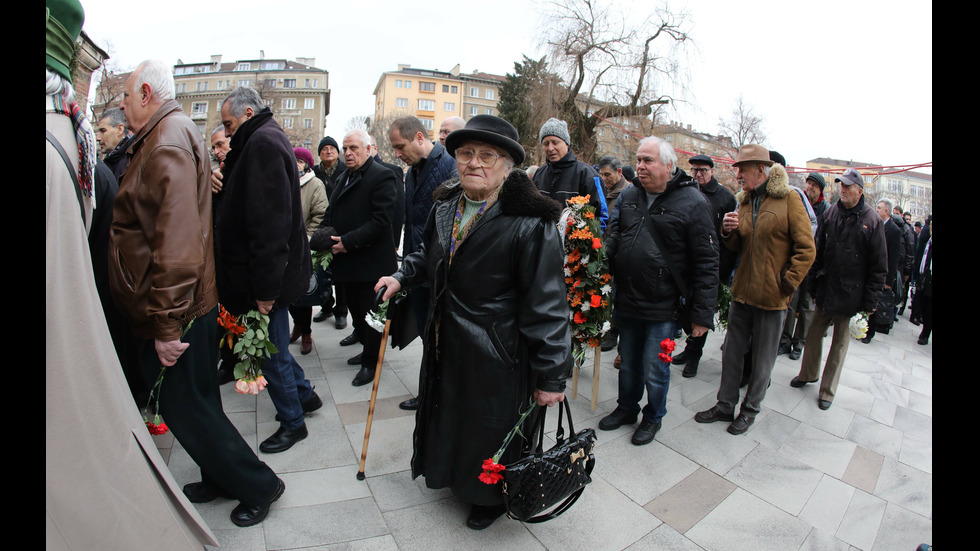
{"points": [[610, 67], [743, 126]]}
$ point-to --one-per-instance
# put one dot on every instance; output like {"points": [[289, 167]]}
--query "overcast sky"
{"points": [[846, 79]]}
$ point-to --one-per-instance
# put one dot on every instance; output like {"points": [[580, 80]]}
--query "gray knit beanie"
{"points": [[555, 127]]}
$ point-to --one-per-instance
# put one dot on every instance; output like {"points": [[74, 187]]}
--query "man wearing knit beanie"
{"points": [[564, 176], [327, 171]]}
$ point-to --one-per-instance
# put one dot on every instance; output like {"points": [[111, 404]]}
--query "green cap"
{"points": [[64, 23]]}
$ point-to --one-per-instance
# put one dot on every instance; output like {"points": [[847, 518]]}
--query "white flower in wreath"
{"points": [[585, 306], [606, 290]]}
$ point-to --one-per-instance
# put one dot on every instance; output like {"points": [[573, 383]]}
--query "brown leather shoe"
{"points": [[306, 345], [617, 361], [294, 336]]}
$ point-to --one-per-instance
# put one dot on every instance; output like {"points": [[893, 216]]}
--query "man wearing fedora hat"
{"points": [[771, 229]]}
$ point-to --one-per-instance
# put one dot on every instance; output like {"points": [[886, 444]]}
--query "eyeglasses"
{"points": [[486, 158], [700, 169]]}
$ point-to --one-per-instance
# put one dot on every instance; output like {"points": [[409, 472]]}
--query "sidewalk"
{"points": [[856, 476]]}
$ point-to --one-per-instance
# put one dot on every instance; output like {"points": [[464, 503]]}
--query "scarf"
{"points": [[461, 229], [61, 99]]}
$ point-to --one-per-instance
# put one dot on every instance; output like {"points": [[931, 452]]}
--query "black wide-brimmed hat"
{"points": [[488, 129]]}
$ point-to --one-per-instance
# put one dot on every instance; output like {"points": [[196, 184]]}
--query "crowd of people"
{"points": [[168, 230]]}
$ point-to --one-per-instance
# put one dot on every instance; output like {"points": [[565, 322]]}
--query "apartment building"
{"points": [[297, 92], [432, 95]]}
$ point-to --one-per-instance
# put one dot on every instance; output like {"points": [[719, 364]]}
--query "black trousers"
{"points": [[360, 297], [190, 404]]}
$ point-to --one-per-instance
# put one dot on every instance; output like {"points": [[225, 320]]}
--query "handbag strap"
{"points": [[71, 170], [573, 497]]}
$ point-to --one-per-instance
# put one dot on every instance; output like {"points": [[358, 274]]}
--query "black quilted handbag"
{"points": [[549, 480]]}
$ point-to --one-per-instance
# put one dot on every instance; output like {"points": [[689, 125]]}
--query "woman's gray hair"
{"points": [[55, 84], [159, 76], [241, 98], [667, 154]]}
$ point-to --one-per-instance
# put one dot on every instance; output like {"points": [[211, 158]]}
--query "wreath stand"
{"points": [[595, 377]]}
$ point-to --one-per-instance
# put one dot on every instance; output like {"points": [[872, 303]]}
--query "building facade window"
{"points": [[449, 106], [307, 123], [309, 103], [289, 83], [289, 103], [474, 111], [287, 122], [427, 105], [474, 92], [489, 111], [244, 82], [427, 86], [401, 102], [426, 123], [244, 67], [489, 94], [199, 107]]}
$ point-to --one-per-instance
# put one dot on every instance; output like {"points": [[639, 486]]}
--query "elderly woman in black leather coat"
{"points": [[497, 331]]}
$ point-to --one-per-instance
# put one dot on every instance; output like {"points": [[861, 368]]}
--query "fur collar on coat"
{"points": [[777, 186]]}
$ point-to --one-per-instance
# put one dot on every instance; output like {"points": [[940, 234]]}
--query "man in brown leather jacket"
{"points": [[161, 271]]}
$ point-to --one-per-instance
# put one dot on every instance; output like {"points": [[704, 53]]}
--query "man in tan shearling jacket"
{"points": [[772, 232]]}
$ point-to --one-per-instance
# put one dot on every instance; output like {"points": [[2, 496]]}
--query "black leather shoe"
{"points": [[482, 516], [283, 439], [609, 342], [410, 404], [363, 377], [741, 424], [311, 404], [690, 371], [356, 360], [823, 404], [616, 419], [199, 492], [712, 415], [340, 322], [322, 315], [645, 433], [679, 359], [923, 340], [783, 349], [349, 340], [248, 515], [797, 383]]}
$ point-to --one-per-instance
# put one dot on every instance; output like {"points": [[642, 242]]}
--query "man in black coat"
{"points": [[662, 247], [849, 272], [327, 171], [722, 200], [261, 249], [359, 223], [114, 139], [895, 256]]}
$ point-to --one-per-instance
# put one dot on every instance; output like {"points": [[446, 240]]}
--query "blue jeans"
{"points": [[288, 386], [639, 346]]}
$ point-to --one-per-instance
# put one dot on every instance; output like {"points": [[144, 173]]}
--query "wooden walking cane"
{"points": [[374, 390]]}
